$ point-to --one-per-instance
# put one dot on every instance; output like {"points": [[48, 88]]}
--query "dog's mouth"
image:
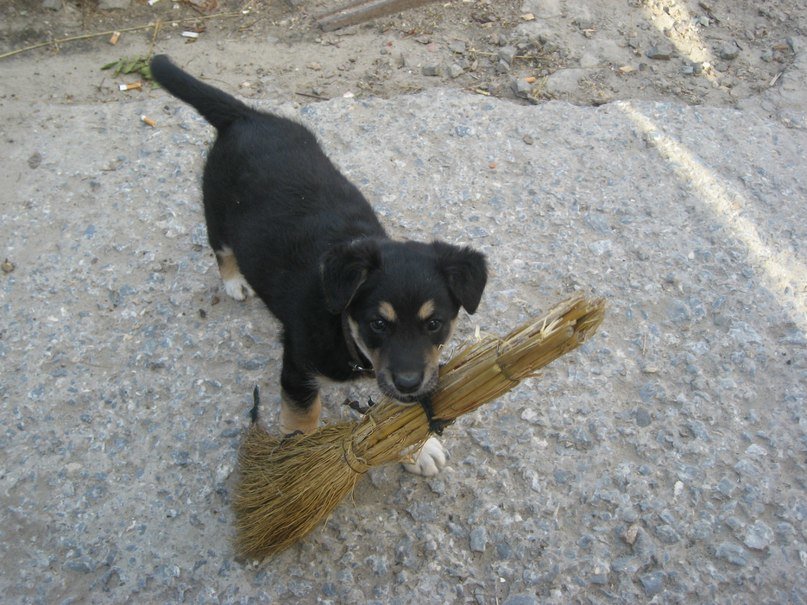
{"points": [[427, 387]]}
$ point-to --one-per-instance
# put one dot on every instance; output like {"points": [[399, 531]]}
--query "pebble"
{"points": [[455, 70], [652, 583], [507, 54], [758, 536], [643, 417], [479, 539], [431, 70], [733, 553], [521, 87], [661, 52], [729, 51]]}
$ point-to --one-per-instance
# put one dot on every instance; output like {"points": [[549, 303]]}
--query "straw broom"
{"points": [[287, 487]]}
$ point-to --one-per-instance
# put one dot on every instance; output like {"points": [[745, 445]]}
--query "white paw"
{"points": [[238, 288], [430, 460]]}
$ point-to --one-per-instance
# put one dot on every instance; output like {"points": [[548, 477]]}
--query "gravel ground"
{"points": [[664, 461]]}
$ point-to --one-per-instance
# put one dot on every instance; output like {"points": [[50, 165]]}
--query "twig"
{"points": [[312, 96], [155, 25]]}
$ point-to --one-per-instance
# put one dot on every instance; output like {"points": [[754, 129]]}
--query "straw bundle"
{"points": [[288, 487]]}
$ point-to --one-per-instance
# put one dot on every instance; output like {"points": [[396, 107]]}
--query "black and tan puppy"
{"points": [[286, 224]]}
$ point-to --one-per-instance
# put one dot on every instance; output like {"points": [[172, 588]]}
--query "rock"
{"points": [[457, 47], [431, 70], [652, 583], [479, 539], [661, 52], [732, 553], [507, 54], [643, 417], [35, 160], [455, 71], [758, 536], [667, 534], [728, 51], [521, 88], [53, 5], [502, 67], [564, 81]]}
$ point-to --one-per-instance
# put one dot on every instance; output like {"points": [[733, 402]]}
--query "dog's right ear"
{"points": [[344, 269]]}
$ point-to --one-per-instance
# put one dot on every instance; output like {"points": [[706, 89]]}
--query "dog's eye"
{"points": [[434, 325], [379, 326]]}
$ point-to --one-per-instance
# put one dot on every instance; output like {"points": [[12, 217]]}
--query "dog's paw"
{"points": [[430, 460], [238, 288]]}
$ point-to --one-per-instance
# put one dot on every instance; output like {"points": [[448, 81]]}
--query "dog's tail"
{"points": [[216, 106]]}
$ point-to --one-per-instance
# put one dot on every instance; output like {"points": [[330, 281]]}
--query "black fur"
{"points": [[310, 245]]}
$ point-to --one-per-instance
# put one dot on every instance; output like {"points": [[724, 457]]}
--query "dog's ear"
{"points": [[465, 271], [344, 269]]}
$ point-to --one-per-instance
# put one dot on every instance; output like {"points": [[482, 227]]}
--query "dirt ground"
{"points": [[591, 52]]}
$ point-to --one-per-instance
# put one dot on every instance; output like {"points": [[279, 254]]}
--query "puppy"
{"points": [[286, 225]]}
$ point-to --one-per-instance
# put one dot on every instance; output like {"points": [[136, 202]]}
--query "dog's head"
{"points": [[401, 301]]}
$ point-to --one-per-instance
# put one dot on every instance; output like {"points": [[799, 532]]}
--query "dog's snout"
{"points": [[407, 382]]}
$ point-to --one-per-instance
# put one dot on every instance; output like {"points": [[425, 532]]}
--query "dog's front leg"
{"points": [[300, 404]]}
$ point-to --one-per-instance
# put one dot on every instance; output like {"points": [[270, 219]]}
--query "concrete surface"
{"points": [[664, 462]]}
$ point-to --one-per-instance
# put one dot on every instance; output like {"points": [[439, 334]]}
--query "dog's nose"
{"points": [[407, 382]]}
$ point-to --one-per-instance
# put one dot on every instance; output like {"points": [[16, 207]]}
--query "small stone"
{"points": [[7, 266], [643, 417], [257, 363], [662, 52], [35, 160], [507, 54], [652, 582], [630, 534], [431, 70], [479, 539], [667, 534], [455, 71], [728, 51], [457, 47], [732, 553], [758, 536], [502, 67], [528, 140], [521, 88]]}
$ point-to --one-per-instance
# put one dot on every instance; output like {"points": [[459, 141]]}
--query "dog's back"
{"points": [[271, 195]]}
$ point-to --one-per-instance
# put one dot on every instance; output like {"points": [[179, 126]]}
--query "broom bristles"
{"points": [[288, 487]]}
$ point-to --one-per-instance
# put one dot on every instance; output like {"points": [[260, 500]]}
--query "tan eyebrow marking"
{"points": [[426, 310], [386, 311]]}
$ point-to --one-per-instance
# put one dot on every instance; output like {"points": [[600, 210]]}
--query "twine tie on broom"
{"points": [[287, 488], [356, 464]]}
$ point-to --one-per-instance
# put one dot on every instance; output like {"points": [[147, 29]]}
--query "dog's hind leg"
{"points": [[235, 284]]}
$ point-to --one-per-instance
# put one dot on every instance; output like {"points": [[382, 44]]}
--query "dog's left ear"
{"points": [[344, 269], [465, 271]]}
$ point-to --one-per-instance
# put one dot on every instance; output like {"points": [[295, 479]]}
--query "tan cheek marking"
{"points": [[426, 310], [386, 311], [371, 354]]}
